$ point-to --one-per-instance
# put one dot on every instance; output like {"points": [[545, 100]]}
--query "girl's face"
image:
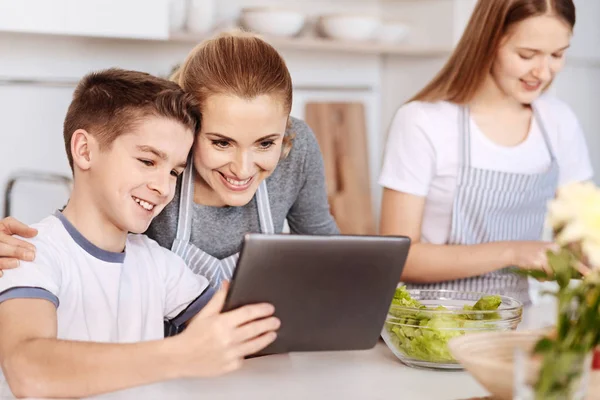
{"points": [[531, 55], [239, 145]]}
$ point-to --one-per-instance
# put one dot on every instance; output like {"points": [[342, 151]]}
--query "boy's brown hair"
{"points": [[111, 102]]}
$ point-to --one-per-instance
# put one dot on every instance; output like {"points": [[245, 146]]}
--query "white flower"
{"points": [[575, 214]]}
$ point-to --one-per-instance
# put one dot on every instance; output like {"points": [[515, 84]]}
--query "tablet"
{"points": [[330, 292]]}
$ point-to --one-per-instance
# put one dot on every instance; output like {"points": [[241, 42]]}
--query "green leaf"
{"points": [[534, 273], [561, 265], [544, 345]]}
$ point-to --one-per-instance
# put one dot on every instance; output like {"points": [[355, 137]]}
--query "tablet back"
{"points": [[330, 292]]}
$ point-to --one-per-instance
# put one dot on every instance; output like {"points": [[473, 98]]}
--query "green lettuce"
{"points": [[421, 334]]}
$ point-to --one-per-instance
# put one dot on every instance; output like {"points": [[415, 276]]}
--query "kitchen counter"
{"points": [[370, 374]]}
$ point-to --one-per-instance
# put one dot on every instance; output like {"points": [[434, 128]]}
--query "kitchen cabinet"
{"points": [[136, 19]]}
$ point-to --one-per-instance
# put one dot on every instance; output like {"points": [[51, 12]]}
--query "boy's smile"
{"points": [[146, 205]]}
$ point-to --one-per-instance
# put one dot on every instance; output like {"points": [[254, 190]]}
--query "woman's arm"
{"points": [[402, 214]]}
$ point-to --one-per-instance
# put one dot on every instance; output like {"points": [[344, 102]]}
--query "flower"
{"points": [[575, 218]]}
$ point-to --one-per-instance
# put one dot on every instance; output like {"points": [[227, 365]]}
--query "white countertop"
{"points": [[365, 375]]}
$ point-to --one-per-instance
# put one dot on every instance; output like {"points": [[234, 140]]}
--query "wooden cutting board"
{"points": [[341, 131]]}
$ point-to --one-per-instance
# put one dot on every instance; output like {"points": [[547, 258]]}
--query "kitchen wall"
{"points": [[579, 83], [31, 113]]}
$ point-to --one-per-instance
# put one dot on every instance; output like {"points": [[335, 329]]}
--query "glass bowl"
{"points": [[419, 337]]}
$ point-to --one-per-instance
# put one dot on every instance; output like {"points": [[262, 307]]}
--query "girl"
{"points": [[473, 158]]}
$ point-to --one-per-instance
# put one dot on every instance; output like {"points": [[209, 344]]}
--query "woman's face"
{"points": [[239, 145], [530, 56]]}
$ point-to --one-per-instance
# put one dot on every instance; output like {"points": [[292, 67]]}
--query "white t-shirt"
{"points": [[103, 296], [422, 155]]}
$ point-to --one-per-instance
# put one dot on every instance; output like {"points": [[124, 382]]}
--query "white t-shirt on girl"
{"points": [[422, 155]]}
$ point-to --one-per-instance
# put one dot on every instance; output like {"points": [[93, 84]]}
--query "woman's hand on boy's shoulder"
{"points": [[215, 343], [12, 249]]}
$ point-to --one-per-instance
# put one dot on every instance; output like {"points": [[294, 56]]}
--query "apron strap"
{"points": [[464, 143], [264, 209], [540, 122], [464, 130], [184, 221]]}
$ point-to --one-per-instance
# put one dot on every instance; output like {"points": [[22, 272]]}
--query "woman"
{"points": [[252, 167], [473, 158]]}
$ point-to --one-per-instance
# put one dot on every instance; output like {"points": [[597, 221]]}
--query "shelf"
{"points": [[330, 45], [310, 44]]}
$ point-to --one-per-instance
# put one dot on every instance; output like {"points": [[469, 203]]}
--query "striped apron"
{"points": [[199, 261], [491, 206]]}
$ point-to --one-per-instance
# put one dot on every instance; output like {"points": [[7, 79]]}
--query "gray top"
{"points": [[296, 191]]}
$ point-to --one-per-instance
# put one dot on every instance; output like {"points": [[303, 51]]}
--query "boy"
{"points": [[86, 317]]}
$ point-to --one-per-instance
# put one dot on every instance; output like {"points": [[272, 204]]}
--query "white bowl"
{"points": [[349, 27], [392, 32], [273, 22]]}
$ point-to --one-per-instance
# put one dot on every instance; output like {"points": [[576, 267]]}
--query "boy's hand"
{"points": [[12, 249], [215, 343]]}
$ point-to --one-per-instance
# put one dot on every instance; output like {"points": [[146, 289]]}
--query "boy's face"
{"points": [[134, 179]]}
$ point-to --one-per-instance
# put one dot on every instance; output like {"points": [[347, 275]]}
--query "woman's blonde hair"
{"points": [[240, 64], [467, 68]]}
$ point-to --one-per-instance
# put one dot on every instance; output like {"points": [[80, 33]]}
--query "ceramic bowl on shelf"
{"points": [[348, 27], [272, 22], [419, 336]]}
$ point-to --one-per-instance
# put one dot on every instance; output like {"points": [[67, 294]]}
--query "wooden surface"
{"points": [[340, 129]]}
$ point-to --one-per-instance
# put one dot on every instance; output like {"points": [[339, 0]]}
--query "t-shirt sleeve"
{"points": [[39, 279], [572, 151], [409, 157], [186, 292]]}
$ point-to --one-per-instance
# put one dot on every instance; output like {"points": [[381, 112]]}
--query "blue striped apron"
{"points": [[199, 261], [491, 206]]}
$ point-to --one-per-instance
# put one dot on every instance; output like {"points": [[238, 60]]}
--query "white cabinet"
{"points": [[140, 19], [32, 16]]}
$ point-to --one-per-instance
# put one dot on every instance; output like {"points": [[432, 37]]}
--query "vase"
{"points": [[566, 377]]}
